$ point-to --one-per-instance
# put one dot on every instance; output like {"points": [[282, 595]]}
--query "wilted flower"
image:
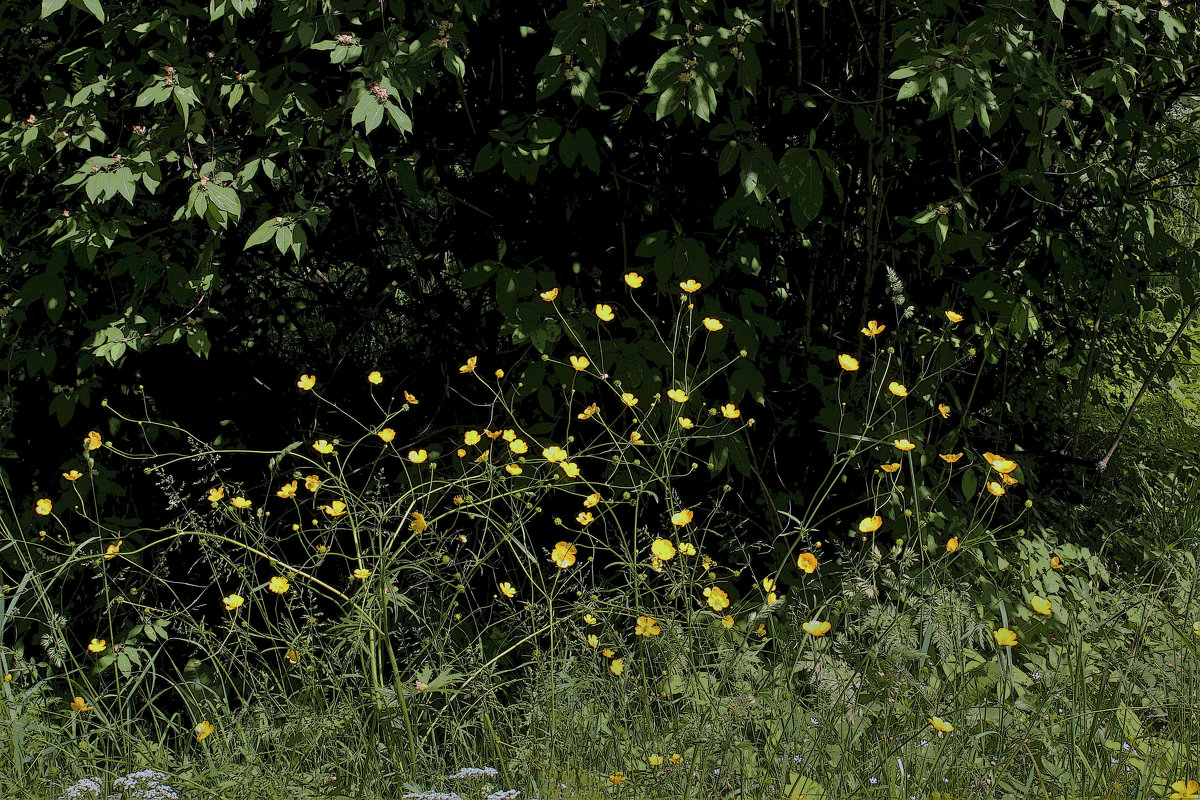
{"points": [[307, 382], [815, 628], [469, 366], [93, 441], [1055, 562], [79, 706], [675, 758], [588, 412], [288, 490], [111, 551], [944, 410], [952, 545], [418, 524], [848, 362]]}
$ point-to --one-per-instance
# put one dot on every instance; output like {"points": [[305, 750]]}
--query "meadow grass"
{"points": [[551, 608]]}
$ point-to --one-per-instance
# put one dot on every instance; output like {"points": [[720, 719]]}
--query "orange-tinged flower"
{"points": [[636, 438], [233, 601], [550, 295], [93, 441], [628, 399], [554, 454], [616, 777], [518, 446], [570, 469], [112, 550], [411, 399], [646, 626], [727, 622], [1004, 637], [73, 475], [469, 366], [471, 438], [585, 518], [508, 435], [892, 467], [43, 507], [848, 362], [718, 599], [903, 444], [335, 509], [952, 544], [870, 524], [563, 554], [288, 490], [323, 446], [1004, 465], [418, 524], [513, 469], [79, 706], [590, 619], [1041, 605], [996, 488], [953, 316], [944, 410], [240, 502], [580, 363], [216, 495], [678, 395], [203, 730], [686, 423], [362, 574], [690, 286], [375, 377], [941, 725], [417, 456], [312, 482], [675, 758], [307, 382], [604, 312], [713, 325], [873, 329], [633, 280], [663, 549], [279, 584], [1008, 480], [592, 500], [807, 562], [681, 518], [730, 411], [387, 434], [1185, 790], [898, 389], [950, 458], [97, 646], [588, 412], [815, 628], [1055, 562]]}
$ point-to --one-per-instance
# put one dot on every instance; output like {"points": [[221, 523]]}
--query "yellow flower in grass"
{"points": [[79, 706], [554, 454], [944, 410], [628, 399], [592, 500], [387, 434], [815, 628], [1196, 627], [687, 548], [417, 456], [203, 730], [307, 382], [279, 584], [233, 601], [713, 325], [655, 760], [580, 363], [550, 295], [676, 758], [616, 667], [717, 599], [588, 412], [375, 377], [604, 312], [216, 495], [681, 518], [563, 554], [889, 468], [617, 777], [950, 458], [690, 285], [513, 469], [240, 502], [323, 446], [1185, 790], [903, 444], [507, 590], [93, 441], [97, 646], [585, 518], [952, 545], [112, 550], [73, 475], [898, 389], [288, 490], [570, 469], [870, 524], [418, 524], [663, 549], [1004, 637], [335, 509], [848, 362], [678, 395], [312, 482], [727, 622], [954, 316], [1041, 605], [636, 438], [646, 626], [768, 584], [590, 619], [807, 562], [633, 280], [411, 399], [940, 724], [469, 366], [873, 329], [43, 507], [686, 423], [996, 488], [593, 641], [730, 411]]}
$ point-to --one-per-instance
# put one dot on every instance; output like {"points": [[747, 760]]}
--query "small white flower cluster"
{"points": [[146, 785], [432, 796], [507, 794], [81, 787], [467, 773]]}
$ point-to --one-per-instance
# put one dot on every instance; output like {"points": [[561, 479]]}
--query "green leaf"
{"points": [[262, 234], [51, 6], [970, 484], [1058, 8], [95, 8], [911, 88]]}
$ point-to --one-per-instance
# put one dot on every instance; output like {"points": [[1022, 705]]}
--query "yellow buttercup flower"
{"points": [[944, 410], [768, 584], [686, 423], [507, 590], [513, 469], [73, 475], [279, 584], [335, 509], [807, 562], [678, 395], [215, 495], [471, 438], [203, 730], [375, 377], [323, 446], [848, 362], [713, 325], [585, 518], [617, 777], [43, 507], [240, 502], [681, 518], [940, 724], [508, 435], [79, 706], [718, 599], [1008, 480], [996, 488], [892, 467], [1185, 790], [815, 628], [687, 548], [870, 524], [727, 622], [580, 363], [563, 555], [93, 441], [592, 500], [590, 619], [518, 446], [629, 400], [593, 640], [954, 316], [97, 646], [903, 444], [570, 469], [418, 524], [387, 434], [604, 312], [550, 295], [898, 389], [1055, 562], [1003, 465], [690, 286], [588, 412], [636, 438], [307, 382], [554, 454], [646, 626], [469, 366], [633, 280], [675, 758], [233, 601], [730, 411], [417, 456], [655, 760], [873, 329], [312, 482], [288, 490], [362, 574], [950, 458], [1004, 637], [411, 399], [663, 549], [112, 550], [952, 545], [1041, 605]]}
